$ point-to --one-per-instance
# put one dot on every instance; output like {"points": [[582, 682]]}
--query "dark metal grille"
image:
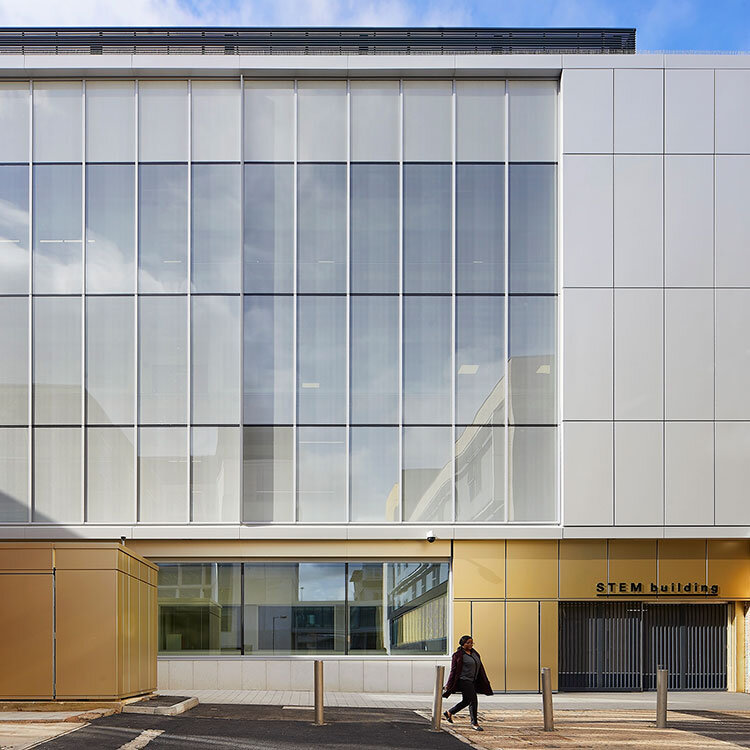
{"points": [[341, 41], [619, 645]]}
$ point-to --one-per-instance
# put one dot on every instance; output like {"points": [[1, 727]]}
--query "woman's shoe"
{"points": [[448, 717], [477, 728]]}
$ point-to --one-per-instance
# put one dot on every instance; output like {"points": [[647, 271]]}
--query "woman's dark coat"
{"points": [[452, 686]]}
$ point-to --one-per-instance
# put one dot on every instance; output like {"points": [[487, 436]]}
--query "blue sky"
{"points": [[662, 24]]}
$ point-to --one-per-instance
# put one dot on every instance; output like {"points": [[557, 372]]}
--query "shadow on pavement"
{"points": [[726, 726]]}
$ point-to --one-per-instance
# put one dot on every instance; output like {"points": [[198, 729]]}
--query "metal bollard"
{"points": [[318, 684], [662, 678], [437, 699], [549, 723]]}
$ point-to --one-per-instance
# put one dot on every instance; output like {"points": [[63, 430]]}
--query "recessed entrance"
{"points": [[620, 645]]}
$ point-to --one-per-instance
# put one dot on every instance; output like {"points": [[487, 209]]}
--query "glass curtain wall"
{"points": [[274, 608], [297, 301]]}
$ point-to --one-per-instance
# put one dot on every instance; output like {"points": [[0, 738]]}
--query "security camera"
{"points": [[430, 536]]}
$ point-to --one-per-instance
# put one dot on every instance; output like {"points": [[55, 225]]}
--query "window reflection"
{"points": [[365, 608], [163, 475], [14, 229], [215, 474], [428, 473], [532, 468], [14, 363], [267, 474], [321, 474], [374, 480], [480, 474]]}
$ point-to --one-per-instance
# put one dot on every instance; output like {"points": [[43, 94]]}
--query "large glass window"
{"points": [[14, 228], [427, 360], [162, 359], [533, 227], [532, 468], [14, 121], [480, 253], [375, 120], [110, 475], [215, 457], [216, 226], [110, 121], [163, 120], [480, 360], [427, 473], [321, 352], [109, 360], [14, 475], [110, 229], [58, 496], [162, 228], [373, 481], [321, 228], [268, 390], [216, 120], [269, 121], [427, 120], [427, 228], [163, 475], [58, 227], [200, 608], [215, 355], [375, 228], [321, 109], [14, 362], [57, 360], [267, 474], [480, 121], [269, 228], [364, 605], [480, 474], [58, 120], [374, 360], [321, 474]]}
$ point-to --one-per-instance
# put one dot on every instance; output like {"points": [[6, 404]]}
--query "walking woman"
{"points": [[467, 676]]}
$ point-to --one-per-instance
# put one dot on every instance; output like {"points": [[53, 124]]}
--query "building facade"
{"points": [[367, 351]]}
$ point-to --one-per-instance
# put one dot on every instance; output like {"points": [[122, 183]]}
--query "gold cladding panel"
{"points": [[479, 569], [682, 561], [583, 564], [74, 558], [729, 567], [86, 609], [488, 626], [532, 569], [132, 614], [632, 561], [522, 658], [26, 636], [17, 558], [461, 622], [548, 638]]}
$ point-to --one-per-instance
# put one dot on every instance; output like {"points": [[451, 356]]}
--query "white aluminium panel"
{"points": [[732, 353], [689, 111], [532, 111], [638, 111], [732, 473], [588, 472], [689, 473], [14, 121], [689, 220], [639, 474], [110, 121], [376, 127], [163, 120], [58, 119], [587, 111], [427, 120], [216, 120], [588, 220], [732, 111], [269, 121], [689, 353], [480, 121], [732, 220], [587, 354], [639, 354], [322, 120], [638, 220]]}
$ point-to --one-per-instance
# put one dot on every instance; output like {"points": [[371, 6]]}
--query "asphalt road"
{"points": [[238, 727]]}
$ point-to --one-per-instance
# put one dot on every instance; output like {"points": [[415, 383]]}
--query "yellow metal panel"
{"points": [[393, 549], [132, 614], [86, 558], [86, 612], [152, 648], [522, 656], [121, 578], [583, 564], [479, 569], [682, 561], [25, 558], [548, 638], [26, 636], [632, 561], [461, 622], [729, 567], [739, 645], [532, 569], [488, 630]]}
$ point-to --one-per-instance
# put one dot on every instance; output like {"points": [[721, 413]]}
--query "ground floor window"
{"points": [[277, 608]]}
